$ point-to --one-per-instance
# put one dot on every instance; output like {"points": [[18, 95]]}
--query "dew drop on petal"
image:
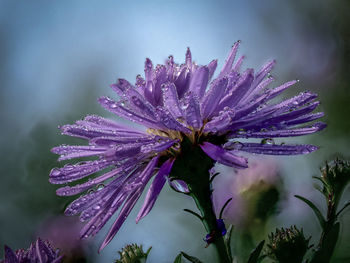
{"points": [[268, 141], [100, 187], [236, 146]]}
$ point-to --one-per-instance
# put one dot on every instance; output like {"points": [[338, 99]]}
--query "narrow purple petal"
{"points": [[236, 67], [271, 149], [70, 173], [135, 99], [43, 253], [77, 151], [192, 112], [155, 188], [89, 132], [182, 82], [149, 89], [281, 119], [255, 93], [128, 206], [222, 156], [130, 203], [161, 78], [10, 256], [229, 61], [171, 100], [119, 109], [114, 140], [305, 118], [239, 90], [212, 97], [249, 107], [122, 151], [169, 121], [221, 122], [72, 190], [188, 58], [212, 67], [276, 91], [281, 133], [199, 81], [156, 146], [264, 71], [104, 123]]}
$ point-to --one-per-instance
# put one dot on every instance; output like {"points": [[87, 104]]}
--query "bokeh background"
{"points": [[57, 57]]}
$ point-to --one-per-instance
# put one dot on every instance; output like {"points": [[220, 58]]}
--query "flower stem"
{"points": [[202, 197], [192, 166]]}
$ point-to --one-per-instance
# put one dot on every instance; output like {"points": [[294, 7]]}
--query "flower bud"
{"points": [[287, 245], [132, 254]]}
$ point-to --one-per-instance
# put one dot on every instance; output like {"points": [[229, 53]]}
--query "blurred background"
{"points": [[57, 57]]}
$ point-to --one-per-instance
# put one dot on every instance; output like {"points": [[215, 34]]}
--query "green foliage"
{"points": [[255, 255], [133, 254], [287, 245], [314, 208]]}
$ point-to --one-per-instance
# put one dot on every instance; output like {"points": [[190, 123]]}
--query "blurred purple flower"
{"points": [[246, 188], [39, 251], [174, 102], [63, 232]]}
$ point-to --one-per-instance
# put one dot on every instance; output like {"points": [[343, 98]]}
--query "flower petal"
{"points": [[199, 81], [281, 133], [192, 111], [222, 156], [155, 188], [129, 203], [213, 97], [10, 256], [171, 100], [70, 173], [271, 149], [229, 61]]}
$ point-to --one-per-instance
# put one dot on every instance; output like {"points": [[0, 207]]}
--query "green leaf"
{"points": [[254, 256], [324, 253], [190, 258], [227, 241], [193, 213], [315, 209], [341, 210], [224, 206], [178, 258]]}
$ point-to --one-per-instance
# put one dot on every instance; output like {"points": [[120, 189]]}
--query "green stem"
{"points": [[202, 198], [192, 166]]}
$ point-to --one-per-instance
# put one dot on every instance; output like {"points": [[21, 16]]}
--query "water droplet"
{"points": [[55, 172], [241, 131], [113, 105], [268, 141], [179, 185], [100, 187], [236, 145]]}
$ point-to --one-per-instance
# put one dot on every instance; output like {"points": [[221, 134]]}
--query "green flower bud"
{"points": [[335, 176], [287, 245], [132, 254]]}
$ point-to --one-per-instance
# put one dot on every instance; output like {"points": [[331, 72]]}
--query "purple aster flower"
{"points": [[173, 104], [39, 251]]}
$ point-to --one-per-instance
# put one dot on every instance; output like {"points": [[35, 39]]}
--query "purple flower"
{"points": [[173, 103], [39, 251]]}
